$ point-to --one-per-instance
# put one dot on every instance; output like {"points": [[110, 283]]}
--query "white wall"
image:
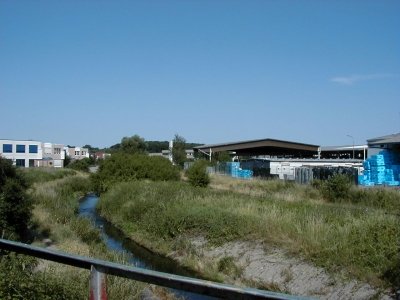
{"points": [[26, 155], [287, 168]]}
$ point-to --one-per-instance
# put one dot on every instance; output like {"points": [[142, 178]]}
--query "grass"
{"points": [[41, 175], [55, 217], [362, 238]]}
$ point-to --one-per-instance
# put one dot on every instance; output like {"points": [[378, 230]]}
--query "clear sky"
{"points": [[92, 72]]}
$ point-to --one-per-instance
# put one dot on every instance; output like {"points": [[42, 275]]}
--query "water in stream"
{"points": [[137, 255]]}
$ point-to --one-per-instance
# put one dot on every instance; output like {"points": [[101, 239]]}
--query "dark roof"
{"points": [[387, 139], [262, 147]]}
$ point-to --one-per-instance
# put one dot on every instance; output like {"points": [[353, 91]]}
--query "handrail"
{"points": [[154, 277]]}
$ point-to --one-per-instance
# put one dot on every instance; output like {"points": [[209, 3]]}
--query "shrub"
{"points": [[81, 164], [336, 188], [378, 197], [15, 204], [227, 266], [197, 174], [126, 167], [18, 280]]}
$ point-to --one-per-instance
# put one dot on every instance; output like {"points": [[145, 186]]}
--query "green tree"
{"points": [[178, 150], [122, 167], [91, 148], [222, 156], [156, 146], [15, 204], [133, 144], [67, 159]]}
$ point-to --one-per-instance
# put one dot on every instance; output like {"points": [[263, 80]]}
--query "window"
{"points": [[20, 162], [20, 148], [33, 149], [31, 163], [7, 148], [76, 152], [83, 152], [57, 150]]}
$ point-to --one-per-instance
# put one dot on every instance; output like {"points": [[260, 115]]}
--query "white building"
{"points": [[25, 153], [22, 153]]}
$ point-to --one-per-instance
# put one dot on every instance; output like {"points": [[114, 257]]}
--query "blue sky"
{"points": [[92, 72]]}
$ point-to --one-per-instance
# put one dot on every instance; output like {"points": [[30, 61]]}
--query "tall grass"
{"points": [[362, 239], [56, 217], [41, 175]]}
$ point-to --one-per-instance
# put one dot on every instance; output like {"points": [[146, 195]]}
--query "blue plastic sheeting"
{"points": [[381, 169]]}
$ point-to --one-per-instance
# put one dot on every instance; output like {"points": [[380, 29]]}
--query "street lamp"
{"points": [[350, 136]]}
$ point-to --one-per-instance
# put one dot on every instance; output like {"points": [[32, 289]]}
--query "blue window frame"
{"points": [[7, 148], [20, 148], [33, 149]]}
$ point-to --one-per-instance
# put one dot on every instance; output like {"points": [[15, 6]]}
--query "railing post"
{"points": [[97, 288]]}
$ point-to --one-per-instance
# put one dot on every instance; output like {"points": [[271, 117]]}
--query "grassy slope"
{"points": [[55, 216], [361, 238]]}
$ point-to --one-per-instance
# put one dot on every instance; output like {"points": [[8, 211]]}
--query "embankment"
{"points": [[308, 237]]}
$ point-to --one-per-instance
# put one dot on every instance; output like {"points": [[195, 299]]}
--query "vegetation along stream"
{"points": [[137, 255]]}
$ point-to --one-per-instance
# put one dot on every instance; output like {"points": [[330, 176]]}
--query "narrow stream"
{"points": [[137, 255]]}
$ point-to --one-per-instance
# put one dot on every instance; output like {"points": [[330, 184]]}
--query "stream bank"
{"points": [[137, 255], [255, 264]]}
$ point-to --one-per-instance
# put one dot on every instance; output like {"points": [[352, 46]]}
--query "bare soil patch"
{"points": [[266, 266]]}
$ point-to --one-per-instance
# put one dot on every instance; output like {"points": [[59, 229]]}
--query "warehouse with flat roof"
{"points": [[262, 147]]}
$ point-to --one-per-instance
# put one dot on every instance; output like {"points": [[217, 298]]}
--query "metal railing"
{"points": [[100, 267]]}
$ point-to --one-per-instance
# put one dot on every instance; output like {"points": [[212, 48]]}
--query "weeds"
{"points": [[56, 204], [363, 239], [41, 175], [227, 266]]}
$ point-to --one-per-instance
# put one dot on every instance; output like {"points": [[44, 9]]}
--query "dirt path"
{"points": [[271, 267]]}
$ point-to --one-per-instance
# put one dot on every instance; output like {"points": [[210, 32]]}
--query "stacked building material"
{"points": [[381, 169], [245, 174], [233, 169]]}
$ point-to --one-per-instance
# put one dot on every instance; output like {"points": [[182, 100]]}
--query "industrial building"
{"points": [[277, 158]]}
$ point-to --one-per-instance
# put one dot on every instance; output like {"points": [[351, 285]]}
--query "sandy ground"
{"points": [[273, 267]]}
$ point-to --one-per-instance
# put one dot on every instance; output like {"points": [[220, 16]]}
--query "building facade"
{"points": [[28, 154], [77, 152], [53, 155]]}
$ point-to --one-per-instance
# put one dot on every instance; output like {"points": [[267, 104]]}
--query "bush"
{"points": [[15, 204], [81, 164], [337, 188], [18, 280], [127, 167], [378, 197], [197, 174]]}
